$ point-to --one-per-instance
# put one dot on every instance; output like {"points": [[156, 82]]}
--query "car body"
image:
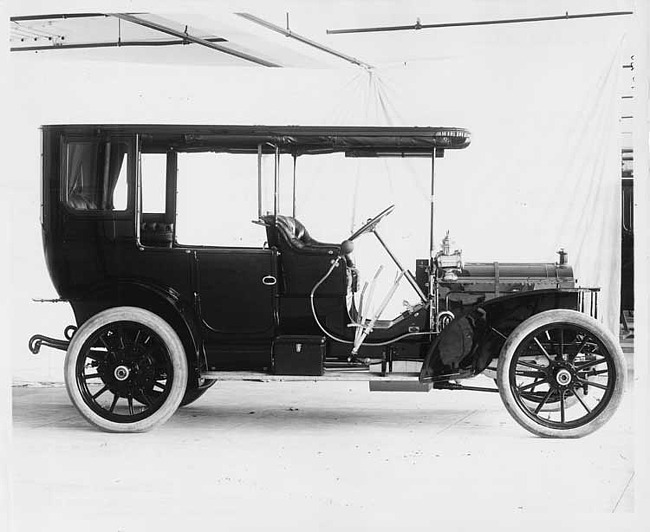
{"points": [[287, 306]]}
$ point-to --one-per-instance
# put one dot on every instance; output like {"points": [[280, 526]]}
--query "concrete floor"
{"points": [[314, 456]]}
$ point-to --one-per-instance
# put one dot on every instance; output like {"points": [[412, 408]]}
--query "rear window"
{"points": [[96, 175]]}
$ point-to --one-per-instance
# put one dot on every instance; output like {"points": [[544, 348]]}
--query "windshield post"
{"points": [[259, 181], [138, 190], [276, 184], [295, 159], [433, 281]]}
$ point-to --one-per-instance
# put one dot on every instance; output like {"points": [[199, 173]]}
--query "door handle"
{"points": [[269, 280]]}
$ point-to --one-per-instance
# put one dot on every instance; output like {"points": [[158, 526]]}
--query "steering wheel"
{"points": [[371, 223]]}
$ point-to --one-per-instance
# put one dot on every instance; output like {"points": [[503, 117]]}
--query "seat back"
{"points": [[288, 231], [303, 260]]}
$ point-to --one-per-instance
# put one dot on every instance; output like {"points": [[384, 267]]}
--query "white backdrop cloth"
{"points": [[543, 170]]}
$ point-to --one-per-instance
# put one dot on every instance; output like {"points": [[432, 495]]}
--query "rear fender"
{"points": [[166, 303], [472, 340]]}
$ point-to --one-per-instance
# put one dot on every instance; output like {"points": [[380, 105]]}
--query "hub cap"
{"points": [[121, 373], [563, 377]]}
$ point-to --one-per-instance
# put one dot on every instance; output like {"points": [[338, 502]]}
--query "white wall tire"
{"points": [[584, 372], [126, 370]]}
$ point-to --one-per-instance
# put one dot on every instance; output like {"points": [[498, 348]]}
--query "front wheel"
{"points": [[566, 359], [125, 370]]}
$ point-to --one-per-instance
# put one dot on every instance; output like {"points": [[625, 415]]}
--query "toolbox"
{"points": [[298, 355]]}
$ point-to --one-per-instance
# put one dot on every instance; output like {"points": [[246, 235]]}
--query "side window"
{"points": [[153, 169], [96, 175], [217, 200]]}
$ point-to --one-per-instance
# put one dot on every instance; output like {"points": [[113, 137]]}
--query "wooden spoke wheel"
{"points": [[561, 374], [125, 370]]}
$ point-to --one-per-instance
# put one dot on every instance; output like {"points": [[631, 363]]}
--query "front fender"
{"points": [[166, 303], [473, 339]]}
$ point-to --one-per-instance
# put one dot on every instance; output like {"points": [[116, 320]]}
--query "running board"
{"points": [[329, 375], [399, 386]]}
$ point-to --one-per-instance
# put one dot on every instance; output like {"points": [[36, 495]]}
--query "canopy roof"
{"points": [[368, 141]]}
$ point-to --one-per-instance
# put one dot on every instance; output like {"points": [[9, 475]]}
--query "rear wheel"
{"points": [[561, 374], [125, 370]]}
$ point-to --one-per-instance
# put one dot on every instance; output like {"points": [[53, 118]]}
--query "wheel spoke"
{"points": [[532, 384], [543, 350], [120, 334], [147, 400], [562, 406], [577, 394], [105, 388], [543, 402], [561, 353], [533, 395], [589, 364], [162, 386], [551, 342], [592, 383], [529, 364], [599, 372], [580, 348], [115, 398], [532, 374], [99, 356], [103, 340], [93, 376], [130, 401]]}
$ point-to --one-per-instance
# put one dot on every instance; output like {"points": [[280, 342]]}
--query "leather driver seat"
{"points": [[300, 254]]}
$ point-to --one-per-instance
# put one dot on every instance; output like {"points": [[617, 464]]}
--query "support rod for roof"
{"points": [[419, 26], [304, 40], [191, 38], [259, 181], [106, 45]]}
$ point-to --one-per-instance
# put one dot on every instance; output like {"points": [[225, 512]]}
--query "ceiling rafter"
{"points": [[53, 16], [419, 26], [116, 44], [288, 33], [191, 38]]}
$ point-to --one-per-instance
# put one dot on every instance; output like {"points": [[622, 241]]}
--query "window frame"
{"points": [[216, 247], [128, 141]]}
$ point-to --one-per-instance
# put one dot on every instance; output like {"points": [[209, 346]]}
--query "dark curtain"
{"points": [[93, 172], [114, 155]]}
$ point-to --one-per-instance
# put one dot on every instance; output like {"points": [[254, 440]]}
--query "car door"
{"points": [[237, 290]]}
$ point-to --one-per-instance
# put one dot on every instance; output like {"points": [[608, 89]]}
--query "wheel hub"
{"points": [[563, 377], [121, 373]]}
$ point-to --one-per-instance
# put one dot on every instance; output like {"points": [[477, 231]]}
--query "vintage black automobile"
{"points": [[159, 321]]}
